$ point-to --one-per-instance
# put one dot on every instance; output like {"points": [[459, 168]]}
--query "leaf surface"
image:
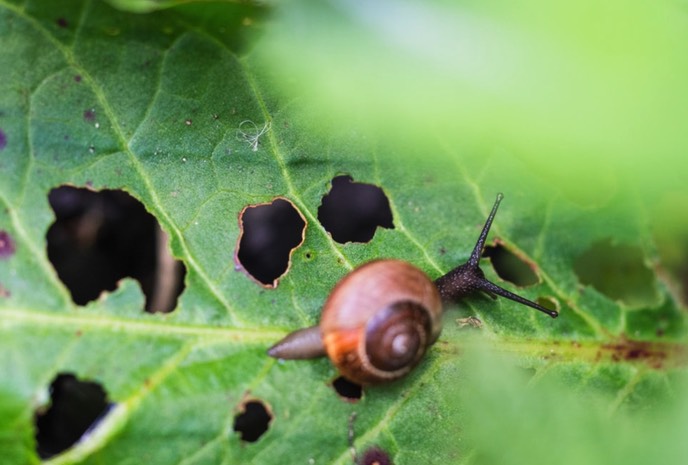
{"points": [[168, 106]]}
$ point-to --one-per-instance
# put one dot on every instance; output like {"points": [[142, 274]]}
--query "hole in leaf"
{"points": [[509, 266], [347, 390], [374, 456], [550, 303], [6, 245], [101, 237], [76, 407], [270, 232], [252, 421], [352, 211], [617, 271]]}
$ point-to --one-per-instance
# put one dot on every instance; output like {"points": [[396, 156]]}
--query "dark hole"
{"points": [[269, 234], [374, 456], [253, 421], [618, 272], [509, 267], [351, 211], [101, 237], [347, 390], [549, 303], [75, 408]]}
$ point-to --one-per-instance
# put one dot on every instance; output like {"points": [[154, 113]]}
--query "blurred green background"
{"points": [[590, 96]]}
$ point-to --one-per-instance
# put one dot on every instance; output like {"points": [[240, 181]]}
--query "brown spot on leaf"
{"points": [[653, 354]]}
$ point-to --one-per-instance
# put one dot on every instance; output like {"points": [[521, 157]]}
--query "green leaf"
{"points": [[185, 109]]}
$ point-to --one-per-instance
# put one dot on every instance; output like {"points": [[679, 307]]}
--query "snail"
{"points": [[380, 319]]}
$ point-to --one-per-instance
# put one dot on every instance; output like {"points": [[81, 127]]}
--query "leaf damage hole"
{"points": [[347, 390], [269, 234], [617, 271], [509, 266], [75, 409], [7, 247], [550, 303], [253, 420], [352, 211], [98, 238]]}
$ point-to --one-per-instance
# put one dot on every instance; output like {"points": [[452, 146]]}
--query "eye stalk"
{"points": [[468, 277]]}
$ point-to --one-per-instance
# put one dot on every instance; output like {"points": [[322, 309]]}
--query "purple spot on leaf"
{"points": [[77, 78], [375, 456], [90, 115], [6, 245], [62, 22], [3, 139]]}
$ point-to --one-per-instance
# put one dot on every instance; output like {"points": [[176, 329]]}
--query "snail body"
{"points": [[380, 319]]}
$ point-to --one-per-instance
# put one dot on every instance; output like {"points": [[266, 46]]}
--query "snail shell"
{"points": [[379, 321]]}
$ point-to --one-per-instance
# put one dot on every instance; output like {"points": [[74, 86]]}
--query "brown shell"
{"points": [[358, 296]]}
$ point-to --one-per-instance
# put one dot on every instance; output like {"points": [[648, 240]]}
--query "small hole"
{"points": [[374, 456], [347, 390], [510, 267], [252, 421], [550, 303], [617, 271], [101, 237], [352, 211], [270, 232], [75, 408]]}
